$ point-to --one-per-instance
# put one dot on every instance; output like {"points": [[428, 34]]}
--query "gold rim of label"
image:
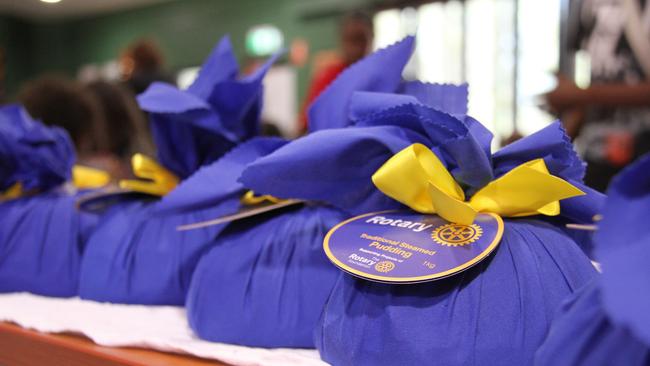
{"points": [[490, 248]]}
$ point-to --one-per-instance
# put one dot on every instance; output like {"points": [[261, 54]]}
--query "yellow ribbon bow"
{"points": [[86, 177], [416, 177], [156, 180]]}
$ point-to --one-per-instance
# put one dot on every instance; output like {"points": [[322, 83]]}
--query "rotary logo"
{"points": [[384, 266], [454, 235]]}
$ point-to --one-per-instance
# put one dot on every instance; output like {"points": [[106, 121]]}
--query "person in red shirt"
{"points": [[356, 35]]}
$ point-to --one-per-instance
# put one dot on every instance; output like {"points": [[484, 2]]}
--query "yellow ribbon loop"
{"points": [[417, 178], [156, 180], [15, 191], [249, 198], [84, 177]]}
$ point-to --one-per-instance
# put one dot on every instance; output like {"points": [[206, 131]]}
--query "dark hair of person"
{"points": [[146, 55], [59, 101], [357, 16], [125, 123], [142, 63]]}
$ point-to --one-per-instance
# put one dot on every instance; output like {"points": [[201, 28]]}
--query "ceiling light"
{"points": [[51, 1]]}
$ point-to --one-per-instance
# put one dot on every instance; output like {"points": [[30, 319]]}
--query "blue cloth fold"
{"points": [[583, 335], [550, 143], [607, 322], [623, 249], [219, 181], [195, 127], [378, 72], [221, 65], [310, 168], [32, 154]]}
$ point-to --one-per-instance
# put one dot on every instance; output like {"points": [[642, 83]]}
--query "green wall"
{"points": [[16, 45], [185, 29]]}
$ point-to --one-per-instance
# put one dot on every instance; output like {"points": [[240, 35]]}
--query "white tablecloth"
{"points": [[161, 328]]}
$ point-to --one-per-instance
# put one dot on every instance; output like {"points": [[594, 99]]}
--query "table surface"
{"points": [[22, 347]]}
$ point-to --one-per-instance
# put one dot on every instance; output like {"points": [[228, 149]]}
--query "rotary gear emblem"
{"points": [[454, 235], [384, 266]]}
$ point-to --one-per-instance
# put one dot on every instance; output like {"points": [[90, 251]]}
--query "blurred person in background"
{"points": [[356, 34], [141, 64], [611, 118], [125, 124]]}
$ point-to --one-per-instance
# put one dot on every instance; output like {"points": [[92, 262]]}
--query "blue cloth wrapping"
{"points": [[607, 323], [582, 334], [496, 313], [36, 156], [42, 235], [205, 135], [137, 255], [42, 239], [265, 282]]}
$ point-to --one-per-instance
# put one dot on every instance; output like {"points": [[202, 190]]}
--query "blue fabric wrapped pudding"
{"points": [[495, 313], [266, 280], [137, 255], [607, 322], [42, 235]]}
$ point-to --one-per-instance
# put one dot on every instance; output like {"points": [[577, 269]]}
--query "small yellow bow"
{"points": [[249, 198], [86, 177], [156, 180], [416, 177], [82, 177], [15, 191]]}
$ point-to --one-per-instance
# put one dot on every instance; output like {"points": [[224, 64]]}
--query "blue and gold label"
{"points": [[407, 247]]}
